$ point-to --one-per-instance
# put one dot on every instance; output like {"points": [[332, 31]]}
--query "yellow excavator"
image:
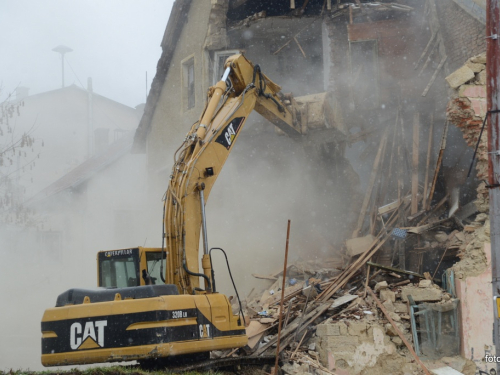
{"points": [[149, 304]]}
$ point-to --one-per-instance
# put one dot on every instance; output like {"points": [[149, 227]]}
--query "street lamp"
{"points": [[62, 50]]}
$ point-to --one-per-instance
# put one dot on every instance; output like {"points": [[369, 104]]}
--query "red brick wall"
{"points": [[463, 35]]}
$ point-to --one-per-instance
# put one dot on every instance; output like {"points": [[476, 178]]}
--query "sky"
{"points": [[115, 42]]}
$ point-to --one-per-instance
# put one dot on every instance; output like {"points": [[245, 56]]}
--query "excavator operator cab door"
{"points": [[130, 267], [153, 268]]}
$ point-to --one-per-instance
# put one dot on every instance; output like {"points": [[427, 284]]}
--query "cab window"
{"points": [[154, 266], [119, 271]]}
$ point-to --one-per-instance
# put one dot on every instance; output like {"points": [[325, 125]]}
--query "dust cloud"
{"points": [[268, 179]]}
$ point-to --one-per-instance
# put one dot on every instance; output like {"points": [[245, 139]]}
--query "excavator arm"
{"points": [[130, 319], [202, 155]]}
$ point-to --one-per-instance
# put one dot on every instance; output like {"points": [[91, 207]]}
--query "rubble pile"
{"points": [[388, 300], [346, 334]]}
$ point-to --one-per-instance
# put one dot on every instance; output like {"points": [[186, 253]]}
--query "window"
{"points": [[119, 268], [154, 266], [188, 94], [220, 58], [118, 133]]}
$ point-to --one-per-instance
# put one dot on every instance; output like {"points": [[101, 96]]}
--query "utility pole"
{"points": [[62, 50], [493, 104]]}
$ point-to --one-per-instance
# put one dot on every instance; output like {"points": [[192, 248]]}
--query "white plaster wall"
{"points": [[476, 315]]}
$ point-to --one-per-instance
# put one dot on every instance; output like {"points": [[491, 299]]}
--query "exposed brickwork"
{"points": [[463, 35], [467, 110]]}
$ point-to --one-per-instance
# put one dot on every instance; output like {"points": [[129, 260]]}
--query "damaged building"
{"points": [[378, 192]]}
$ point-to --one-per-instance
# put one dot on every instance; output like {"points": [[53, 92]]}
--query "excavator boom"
{"points": [[150, 304]]}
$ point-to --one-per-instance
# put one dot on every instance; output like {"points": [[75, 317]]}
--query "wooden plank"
{"points": [[300, 47], [282, 298], [371, 183], [414, 172], [438, 164], [329, 4], [388, 175], [400, 334], [289, 40], [433, 78], [292, 4], [359, 245], [293, 326], [342, 301], [367, 280], [344, 277], [429, 58], [429, 150], [255, 331], [392, 206], [264, 277], [425, 50]]}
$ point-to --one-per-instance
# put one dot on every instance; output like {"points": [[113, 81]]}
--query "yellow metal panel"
{"points": [[48, 334], [163, 323], [220, 311], [119, 307], [142, 352]]}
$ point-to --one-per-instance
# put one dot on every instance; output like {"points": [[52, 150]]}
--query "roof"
{"points": [[77, 89], [87, 169], [176, 22]]}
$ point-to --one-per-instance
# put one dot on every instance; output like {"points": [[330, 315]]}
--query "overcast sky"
{"points": [[114, 41]]}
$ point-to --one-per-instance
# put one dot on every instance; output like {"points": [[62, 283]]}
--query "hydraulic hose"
{"points": [[209, 284]]}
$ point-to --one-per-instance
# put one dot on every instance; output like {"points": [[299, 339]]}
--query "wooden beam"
{"points": [[301, 50], [429, 149], [415, 155], [425, 50], [438, 164], [292, 4], [433, 78], [344, 277], [429, 58], [329, 4], [371, 183]]}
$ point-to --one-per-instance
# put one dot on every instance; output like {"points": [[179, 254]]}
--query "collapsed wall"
{"points": [[467, 110]]}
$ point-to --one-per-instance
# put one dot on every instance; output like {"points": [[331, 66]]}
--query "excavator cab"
{"points": [[130, 267]]}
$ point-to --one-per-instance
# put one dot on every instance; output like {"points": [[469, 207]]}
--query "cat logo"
{"points": [[204, 330], [92, 336], [228, 134]]}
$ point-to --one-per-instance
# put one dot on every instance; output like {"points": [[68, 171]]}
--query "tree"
{"points": [[17, 155]]}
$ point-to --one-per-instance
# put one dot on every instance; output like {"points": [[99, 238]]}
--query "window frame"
{"points": [[186, 63], [215, 67]]}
